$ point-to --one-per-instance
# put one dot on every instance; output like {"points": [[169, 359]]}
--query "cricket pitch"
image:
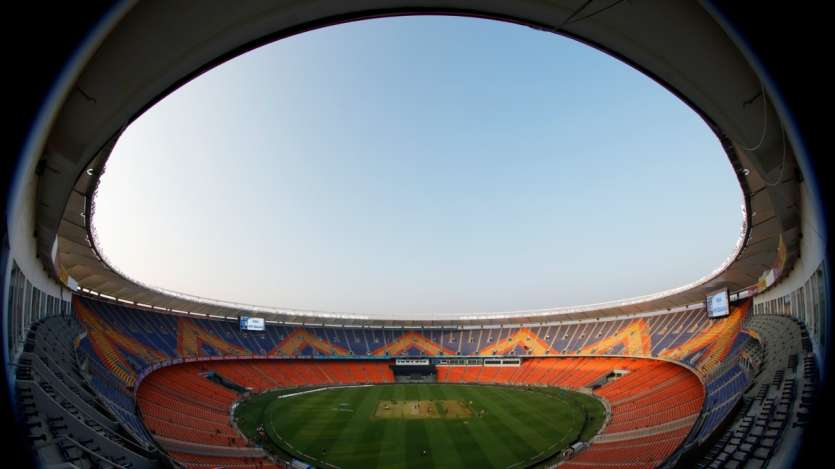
{"points": [[423, 410]]}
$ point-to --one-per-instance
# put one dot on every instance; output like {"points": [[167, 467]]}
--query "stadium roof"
{"points": [[677, 43]]}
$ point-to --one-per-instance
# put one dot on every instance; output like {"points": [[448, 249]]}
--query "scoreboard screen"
{"points": [[412, 361], [718, 304], [252, 324]]}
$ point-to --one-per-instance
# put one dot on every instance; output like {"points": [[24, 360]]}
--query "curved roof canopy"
{"points": [[676, 43], [419, 167]]}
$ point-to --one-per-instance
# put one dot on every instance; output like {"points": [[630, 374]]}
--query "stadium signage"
{"points": [[718, 304], [412, 361], [252, 324]]}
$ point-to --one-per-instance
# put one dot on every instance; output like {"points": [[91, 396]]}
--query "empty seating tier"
{"points": [[183, 407], [653, 403], [182, 373]]}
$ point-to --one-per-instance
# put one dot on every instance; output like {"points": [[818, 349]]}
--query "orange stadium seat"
{"points": [[652, 395]]}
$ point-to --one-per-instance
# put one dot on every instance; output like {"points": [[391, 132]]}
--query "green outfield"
{"points": [[422, 425]]}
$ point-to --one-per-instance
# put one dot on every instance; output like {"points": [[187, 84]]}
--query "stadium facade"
{"points": [[98, 364]]}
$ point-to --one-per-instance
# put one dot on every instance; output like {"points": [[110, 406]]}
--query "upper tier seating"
{"points": [[130, 339]]}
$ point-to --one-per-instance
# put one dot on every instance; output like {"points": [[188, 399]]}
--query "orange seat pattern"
{"points": [[649, 399], [636, 453], [198, 461], [180, 403], [655, 400], [154, 338]]}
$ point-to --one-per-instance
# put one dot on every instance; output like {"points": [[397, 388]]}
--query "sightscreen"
{"points": [[718, 304]]}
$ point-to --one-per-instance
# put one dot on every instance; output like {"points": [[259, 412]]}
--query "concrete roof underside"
{"points": [[157, 46]]}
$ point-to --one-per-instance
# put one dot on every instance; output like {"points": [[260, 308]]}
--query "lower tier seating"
{"points": [[183, 408], [653, 403]]}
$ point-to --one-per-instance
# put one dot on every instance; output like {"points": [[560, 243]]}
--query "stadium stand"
{"points": [[150, 337], [654, 403], [189, 414], [76, 380], [67, 422], [775, 406], [131, 382], [656, 400]]}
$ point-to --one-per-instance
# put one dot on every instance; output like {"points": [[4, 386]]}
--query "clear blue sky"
{"points": [[419, 166]]}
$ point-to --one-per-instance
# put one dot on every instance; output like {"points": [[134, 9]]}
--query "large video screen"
{"points": [[252, 324], [718, 304]]}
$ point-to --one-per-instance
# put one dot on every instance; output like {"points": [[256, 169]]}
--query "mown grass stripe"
{"points": [[543, 414], [499, 419], [388, 434], [356, 445], [473, 446], [339, 422], [445, 452], [307, 419], [294, 412], [545, 410]]}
